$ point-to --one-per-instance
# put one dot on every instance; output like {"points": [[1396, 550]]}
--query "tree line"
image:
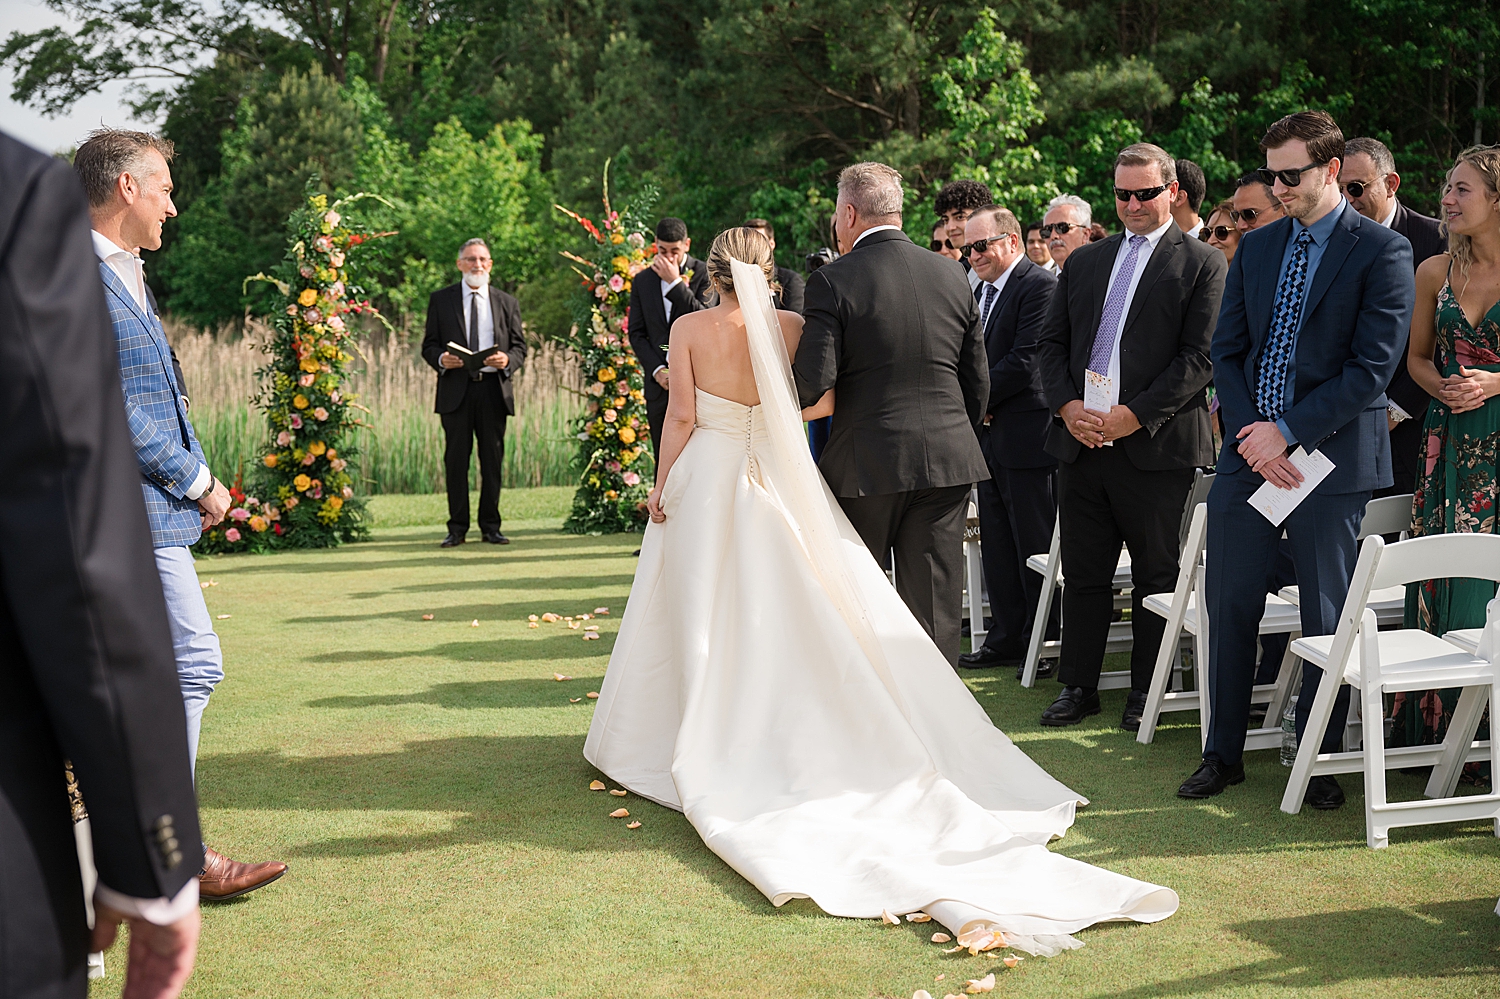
{"points": [[474, 117]]}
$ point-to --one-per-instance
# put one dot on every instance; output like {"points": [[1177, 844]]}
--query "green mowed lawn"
{"points": [[425, 781]]}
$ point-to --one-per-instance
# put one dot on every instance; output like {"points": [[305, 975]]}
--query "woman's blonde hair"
{"points": [[749, 246], [1486, 160]]}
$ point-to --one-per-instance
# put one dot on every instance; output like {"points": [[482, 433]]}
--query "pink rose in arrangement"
{"points": [[612, 466], [306, 380], [632, 479], [336, 323], [601, 292], [331, 217], [334, 395], [336, 258], [336, 290], [616, 283], [348, 492], [316, 492], [306, 270], [291, 503], [232, 535], [320, 413], [239, 513], [308, 459], [610, 415], [291, 310], [322, 244], [284, 438], [296, 422], [338, 464]]}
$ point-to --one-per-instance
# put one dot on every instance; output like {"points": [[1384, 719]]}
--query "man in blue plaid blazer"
{"points": [[129, 186]]}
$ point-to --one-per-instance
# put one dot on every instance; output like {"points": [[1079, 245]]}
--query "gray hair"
{"points": [[108, 152], [1379, 152], [874, 190], [1145, 154], [1073, 201], [476, 241]]}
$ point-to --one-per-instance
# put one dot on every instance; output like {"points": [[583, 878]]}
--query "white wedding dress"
{"points": [[768, 682]]}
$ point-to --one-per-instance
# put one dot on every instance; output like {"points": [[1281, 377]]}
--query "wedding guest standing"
{"points": [[1369, 180], [1017, 503], [1134, 313], [1036, 249], [474, 403], [1220, 232], [1455, 358], [955, 202], [941, 244], [1315, 312], [129, 187], [1255, 204], [894, 330], [674, 285], [1191, 187], [789, 295], [86, 665], [1066, 226]]}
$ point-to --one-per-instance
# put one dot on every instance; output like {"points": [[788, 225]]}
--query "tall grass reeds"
{"points": [[401, 442]]}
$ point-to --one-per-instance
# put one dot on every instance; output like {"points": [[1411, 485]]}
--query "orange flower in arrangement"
{"points": [[317, 447], [270, 460], [627, 435], [334, 502]]}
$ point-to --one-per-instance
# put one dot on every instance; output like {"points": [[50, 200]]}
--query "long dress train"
{"points": [[768, 681]]}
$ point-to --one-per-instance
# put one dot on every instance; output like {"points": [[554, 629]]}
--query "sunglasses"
{"points": [[1290, 178], [1143, 194], [1251, 214], [1356, 188], [980, 245], [1061, 228], [938, 245], [1219, 232]]}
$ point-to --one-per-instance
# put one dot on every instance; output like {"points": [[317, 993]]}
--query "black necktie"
{"points": [[474, 321]]}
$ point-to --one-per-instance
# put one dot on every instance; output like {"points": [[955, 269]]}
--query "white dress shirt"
{"points": [[132, 273], [480, 295], [999, 285], [873, 228], [1390, 216], [1194, 231], [1143, 257]]}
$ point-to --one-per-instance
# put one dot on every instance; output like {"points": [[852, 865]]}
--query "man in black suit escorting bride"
{"points": [[893, 329]]}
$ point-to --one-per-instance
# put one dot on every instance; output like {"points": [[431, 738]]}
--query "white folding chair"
{"points": [[1120, 639], [1468, 638], [1387, 515], [1181, 609], [975, 602], [1376, 662]]}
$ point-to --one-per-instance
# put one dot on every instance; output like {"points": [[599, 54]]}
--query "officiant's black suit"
{"points": [[1426, 238], [473, 405], [650, 330], [87, 671], [893, 329], [1134, 491]]}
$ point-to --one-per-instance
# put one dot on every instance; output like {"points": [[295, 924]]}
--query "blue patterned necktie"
{"points": [[1286, 315], [1114, 309], [989, 300]]}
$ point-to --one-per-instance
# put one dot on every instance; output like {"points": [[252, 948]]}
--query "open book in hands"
{"points": [[472, 361]]}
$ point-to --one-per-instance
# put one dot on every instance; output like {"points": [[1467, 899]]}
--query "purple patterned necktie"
{"points": [[1114, 310]]}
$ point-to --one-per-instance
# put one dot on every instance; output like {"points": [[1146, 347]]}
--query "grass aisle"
{"points": [[425, 781]]}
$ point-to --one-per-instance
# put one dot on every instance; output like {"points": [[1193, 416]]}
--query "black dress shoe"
{"points": [[1135, 706], [1044, 669], [1072, 706], [1211, 778], [496, 538], [453, 540], [1324, 793], [985, 657]]}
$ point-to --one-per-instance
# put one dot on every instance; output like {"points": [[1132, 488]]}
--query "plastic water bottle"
{"points": [[1289, 733]]}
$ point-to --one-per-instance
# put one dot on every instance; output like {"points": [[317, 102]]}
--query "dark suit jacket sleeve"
{"points": [[83, 617], [1230, 352], [433, 343], [973, 367], [1012, 372], [1054, 348], [648, 353], [1383, 325], [793, 293], [1188, 373], [517, 350], [816, 366]]}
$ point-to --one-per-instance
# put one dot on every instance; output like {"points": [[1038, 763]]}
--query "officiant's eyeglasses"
{"points": [[1143, 194], [1061, 228], [1290, 178]]}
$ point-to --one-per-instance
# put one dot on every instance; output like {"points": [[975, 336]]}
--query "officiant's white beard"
{"points": [[476, 279]]}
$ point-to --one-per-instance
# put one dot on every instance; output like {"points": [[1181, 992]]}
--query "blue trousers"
{"points": [[200, 663], [1242, 549]]}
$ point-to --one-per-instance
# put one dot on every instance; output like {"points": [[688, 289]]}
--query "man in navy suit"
{"points": [[1018, 503], [1316, 311]]}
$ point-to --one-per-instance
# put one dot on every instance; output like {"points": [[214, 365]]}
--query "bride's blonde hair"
{"points": [[1485, 160], [749, 246]]}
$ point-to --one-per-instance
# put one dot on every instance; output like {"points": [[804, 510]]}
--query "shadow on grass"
{"points": [[495, 650], [513, 612], [1441, 940], [478, 694]]}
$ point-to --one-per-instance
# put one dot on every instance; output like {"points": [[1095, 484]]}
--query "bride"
{"points": [[769, 682]]}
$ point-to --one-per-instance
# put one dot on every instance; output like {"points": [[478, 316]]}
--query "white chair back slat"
{"points": [[1197, 496], [1351, 615], [1386, 515], [1461, 556]]}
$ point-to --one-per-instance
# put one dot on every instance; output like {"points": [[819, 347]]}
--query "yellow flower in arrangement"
{"points": [[617, 238], [606, 374], [308, 364], [610, 494], [637, 395], [270, 460], [627, 435], [334, 503], [258, 523], [317, 447], [300, 401], [308, 297], [619, 402], [622, 264], [302, 483]]}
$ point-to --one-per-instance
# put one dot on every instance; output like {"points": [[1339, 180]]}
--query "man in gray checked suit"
{"points": [[129, 187]]}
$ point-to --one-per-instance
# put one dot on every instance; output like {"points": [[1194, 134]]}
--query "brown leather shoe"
{"points": [[223, 879]]}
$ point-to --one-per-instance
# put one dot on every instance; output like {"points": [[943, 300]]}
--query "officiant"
{"points": [[474, 401]]}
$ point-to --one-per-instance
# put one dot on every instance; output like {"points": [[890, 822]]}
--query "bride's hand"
{"points": [[653, 506]]}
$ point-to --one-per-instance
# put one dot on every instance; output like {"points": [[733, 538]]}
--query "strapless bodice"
{"points": [[724, 416]]}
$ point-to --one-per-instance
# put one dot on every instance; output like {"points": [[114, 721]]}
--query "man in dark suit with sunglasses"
{"points": [[1124, 361], [1315, 313], [1369, 180]]}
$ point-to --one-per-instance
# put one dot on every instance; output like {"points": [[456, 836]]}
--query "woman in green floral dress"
{"points": [[1455, 356]]}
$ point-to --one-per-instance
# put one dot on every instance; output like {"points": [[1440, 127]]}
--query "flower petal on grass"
{"points": [[939, 978], [590, 636], [574, 700], [918, 917], [618, 793], [223, 617], [474, 623], [592, 695], [633, 825], [601, 611], [591, 627], [982, 938], [889, 918], [549, 617], [620, 813], [560, 677], [427, 617], [533, 624], [533, 617], [1011, 960], [921, 994], [596, 785], [955, 949], [978, 985], [941, 938]]}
